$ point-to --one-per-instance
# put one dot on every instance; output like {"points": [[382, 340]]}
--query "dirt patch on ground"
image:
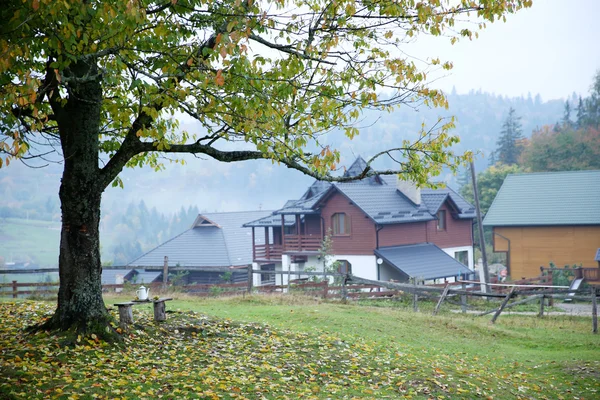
{"points": [[579, 309]]}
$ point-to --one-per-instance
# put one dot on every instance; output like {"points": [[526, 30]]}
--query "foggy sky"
{"points": [[551, 48]]}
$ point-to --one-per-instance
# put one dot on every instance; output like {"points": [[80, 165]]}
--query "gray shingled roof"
{"points": [[377, 197], [547, 198], [145, 276], [208, 246], [432, 196], [422, 261], [109, 276], [271, 220], [384, 203]]}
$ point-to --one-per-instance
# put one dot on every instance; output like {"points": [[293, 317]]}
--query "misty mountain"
{"points": [[215, 186]]}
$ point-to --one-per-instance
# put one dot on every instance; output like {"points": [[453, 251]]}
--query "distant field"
{"points": [[29, 239]]}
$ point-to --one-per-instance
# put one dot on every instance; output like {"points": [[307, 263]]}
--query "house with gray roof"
{"points": [[546, 217], [380, 228], [214, 241]]}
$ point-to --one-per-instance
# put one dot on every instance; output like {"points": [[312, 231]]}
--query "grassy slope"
{"points": [[309, 349], [512, 338], [29, 239]]}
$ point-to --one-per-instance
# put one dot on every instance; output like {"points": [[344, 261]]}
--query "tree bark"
{"points": [[80, 303]]}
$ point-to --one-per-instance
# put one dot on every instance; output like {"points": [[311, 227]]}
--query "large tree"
{"points": [[103, 82]]}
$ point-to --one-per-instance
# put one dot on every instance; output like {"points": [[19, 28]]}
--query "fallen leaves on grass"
{"points": [[193, 356]]}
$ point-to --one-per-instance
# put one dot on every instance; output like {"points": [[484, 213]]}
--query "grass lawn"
{"points": [[298, 347]]}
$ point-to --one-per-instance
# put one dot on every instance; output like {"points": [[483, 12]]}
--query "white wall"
{"points": [[362, 266], [452, 250]]}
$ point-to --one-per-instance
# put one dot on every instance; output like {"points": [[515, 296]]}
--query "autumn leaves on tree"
{"points": [[103, 83]]}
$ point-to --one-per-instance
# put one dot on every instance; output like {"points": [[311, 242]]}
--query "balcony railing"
{"points": [[589, 274], [302, 243], [268, 251], [293, 244]]}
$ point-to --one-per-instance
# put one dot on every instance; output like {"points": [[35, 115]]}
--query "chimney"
{"points": [[410, 190]]}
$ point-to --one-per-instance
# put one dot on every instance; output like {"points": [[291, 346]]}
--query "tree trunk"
{"points": [[80, 303], [80, 293]]}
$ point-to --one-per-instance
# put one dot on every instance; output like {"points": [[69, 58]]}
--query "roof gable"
{"points": [[547, 198], [222, 242], [202, 221]]}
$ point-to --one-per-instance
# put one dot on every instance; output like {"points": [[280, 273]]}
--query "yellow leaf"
{"points": [[35, 5], [219, 79]]}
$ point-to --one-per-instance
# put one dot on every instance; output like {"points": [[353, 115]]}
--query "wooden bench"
{"points": [[126, 312]]}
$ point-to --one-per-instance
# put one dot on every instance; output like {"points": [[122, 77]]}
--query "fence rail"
{"points": [[352, 287]]}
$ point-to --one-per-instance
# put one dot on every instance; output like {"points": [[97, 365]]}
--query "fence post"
{"points": [[442, 298], [594, 311], [325, 288], [542, 301], [344, 289], [415, 296], [250, 280], [504, 303], [165, 272], [15, 289], [463, 299]]}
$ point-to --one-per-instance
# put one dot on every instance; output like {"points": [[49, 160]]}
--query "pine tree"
{"points": [[566, 121], [463, 178], [581, 113], [509, 148], [593, 104], [493, 159]]}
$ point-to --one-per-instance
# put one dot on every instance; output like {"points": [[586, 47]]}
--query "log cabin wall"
{"points": [[401, 234], [532, 247], [361, 239], [312, 225], [458, 232]]}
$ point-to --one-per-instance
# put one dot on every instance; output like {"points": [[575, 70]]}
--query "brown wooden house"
{"points": [[374, 225]]}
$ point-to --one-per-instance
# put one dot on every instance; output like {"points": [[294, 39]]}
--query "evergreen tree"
{"points": [[593, 104], [581, 113], [463, 178], [509, 148], [566, 121], [493, 159]]}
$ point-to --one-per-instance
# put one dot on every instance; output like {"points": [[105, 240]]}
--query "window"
{"points": [[441, 223], [462, 257], [267, 279], [340, 223], [344, 267]]}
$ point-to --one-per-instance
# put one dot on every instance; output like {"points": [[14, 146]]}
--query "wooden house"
{"points": [[543, 218], [380, 228]]}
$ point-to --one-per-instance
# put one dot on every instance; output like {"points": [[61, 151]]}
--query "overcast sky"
{"points": [[552, 48]]}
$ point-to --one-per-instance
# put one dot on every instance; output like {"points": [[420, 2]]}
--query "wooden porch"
{"points": [[589, 275], [303, 238], [296, 244]]}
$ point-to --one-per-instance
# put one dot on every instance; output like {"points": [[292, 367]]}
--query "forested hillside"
{"points": [[155, 206]]}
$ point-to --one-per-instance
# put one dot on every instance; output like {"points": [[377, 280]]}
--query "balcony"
{"points": [[302, 243], [591, 275], [293, 244], [268, 252]]}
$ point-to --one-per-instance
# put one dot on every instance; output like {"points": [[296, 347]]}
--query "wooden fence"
{"points": [[51, 288], [352, 287]]}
